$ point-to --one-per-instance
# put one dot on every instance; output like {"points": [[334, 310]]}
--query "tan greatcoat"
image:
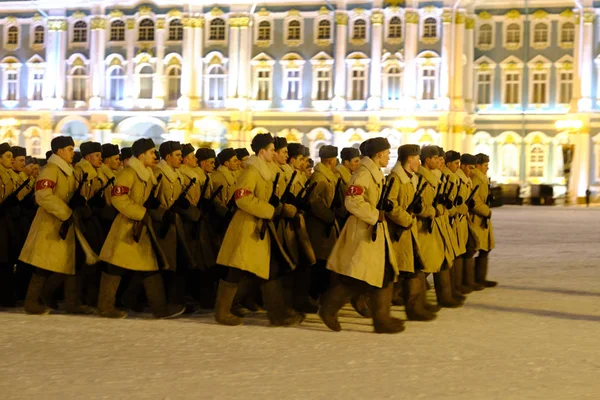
{"points": [[400, 221], [431, 245], [452, 248], [44, 248], [484, 237], [461, 220], [227, 178], [132, 188], [355, 254], [323, 230], [242, 247]]}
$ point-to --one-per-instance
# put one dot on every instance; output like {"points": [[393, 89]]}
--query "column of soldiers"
{"points": [[126, 227]]}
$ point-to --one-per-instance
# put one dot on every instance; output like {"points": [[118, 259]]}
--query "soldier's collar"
{"points": [[401, 173], [88, 168], [142, 172], [344, 172], [372, 168], [263, 168], [428, 175], [107, 171], [167, 171], [60, 163], [322, 169], [479, 174], [227, 173]]}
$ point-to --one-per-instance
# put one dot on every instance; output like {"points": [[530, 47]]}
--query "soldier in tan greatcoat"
{"points": [[226, 177], [8, 203], [242, 155], [364, 265], [131, 244]]}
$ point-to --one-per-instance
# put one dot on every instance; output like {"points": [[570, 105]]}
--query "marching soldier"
{"points": [[362, 255], [350, 161], [206, 158], [407, 203], [242, 155], [55, 232], [126, 154], [481, 220], [131, 243], [297, 162], [251, 249], [225, 176]]}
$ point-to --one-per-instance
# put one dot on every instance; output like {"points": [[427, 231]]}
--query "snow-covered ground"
{"points": [[534, 336]]}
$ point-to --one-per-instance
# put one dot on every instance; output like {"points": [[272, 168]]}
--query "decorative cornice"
{"points": [[130, 23], [324, 11], [568, 13], [238, 22], [293, 13], [263, 12], [116, 14], [411, 17], [589, 17], [174, 13], [377, 18], [98, 23], [484, 15], [539, 14], [470, 23], [78, 15], [144, 10], [513, 14], [37, 17], [341, 19], [160, 23], [57, 25], [215, 12]]}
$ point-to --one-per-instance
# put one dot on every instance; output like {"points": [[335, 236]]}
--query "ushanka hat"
{"points": [[187, 149], [295, 150], [242, 152], [305, 151], [348, 153], [482, 158], [280, 143], [428, 152], [452, 156], [376, 145], [468, 159], [441, 152], [261, 141], [140, 146], [110, 150], [327, 151], [168, 147], [408, 150], [363, 148], [5, 147], [226, 155], [127, 152], [60, 142], [89, 148], [19, 151], [204, 153]]}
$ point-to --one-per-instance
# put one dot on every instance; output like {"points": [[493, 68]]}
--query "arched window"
{"points": [[38, 35], [116, 84], [428, 83], [485, 35], [567, 33], [174, 84], [430, 28], [358, 82], [540, 33], [216, 83], [145, 77], [35, 147], [536, 162], [360, 29], [393, 77], [175, 30], [510, 158], [146, 30], [117, 31], [79, 84], [12, 85], [217, 29], [513, 34], [324, 30], [395, 28], [80, 32], [264, 30], [294, 30], [13, 35], [38, 84]]}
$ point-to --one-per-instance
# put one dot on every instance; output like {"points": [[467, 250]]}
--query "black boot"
{"points": [[302, 302], [277, 311], [459, 275], [380, 302], [331, 302], [426, 287], [131, 296], [72, 301], [54, 281], [469, 275], [155, 290], [360, 303], [225, 295], [454, 286], [8, 297], [443, 289], [398, 296], [32, 298], [413, 300], [481, 269], [109, 284]]}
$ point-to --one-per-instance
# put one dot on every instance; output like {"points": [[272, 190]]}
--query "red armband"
{"points": [[119, 190], [44, 184], [241, 193], [355, 191]]}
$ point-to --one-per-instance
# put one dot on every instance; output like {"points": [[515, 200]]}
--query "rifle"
{"points": [[203, 193], [165, 224], [470, 198], [263, 229], [488, 201], [385, 192], [287, 197], [100, 193], [149, 203], [434, 204], [447, 202], [64, 227], [458, 201], [334, 202], [13, 197], [417, 199], [302, 200]]}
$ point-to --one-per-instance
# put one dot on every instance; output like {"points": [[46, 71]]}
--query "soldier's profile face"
{"points": [[114, 162], [35, 170], [467, 169], [174, 159], [208, 165], [352, 164], [148, 158], [191, 160], [453, 166], [268, 152], [483, 167], [414, 162], [243, 162], [384, 158], [6, 159], [281, 156], [233, 164], [95, 159], [66, 153], [19, 163]]}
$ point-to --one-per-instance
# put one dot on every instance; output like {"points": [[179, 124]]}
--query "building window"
{"points": [[12, 84], [264, 30], [79, 84], [536, 162], [565, 87], [513, 34], [359, 84], [323, 84], [430, 28], [217, 29], [567, 33], [294, 31], [429, 83], [485, 35], [35, 146], [80, 32], [38, 35], [216, 83], [393, 79], [292, 84], [117, 31], [395, 28], [174, 84], [324, 30], [512, 88], [145, 77], [38, 85], [146, 30], [510, 158], [116, 84], [13, 35], [360, 30], [540, 88], [175, 30], [540, 33], [263, 80], [484, 88]]}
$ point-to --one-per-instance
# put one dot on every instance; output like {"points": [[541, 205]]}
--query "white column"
{"points": [[576, 66], [469, 49], [129, 82], [187, 66], [583, 153], [97, 53], [244, 61], [158, 83], [586, 58], [198, 62], [458, 101], [445, 63], [234, 57], [49, 89], [374, 101], [341, 42], [411, 40]]}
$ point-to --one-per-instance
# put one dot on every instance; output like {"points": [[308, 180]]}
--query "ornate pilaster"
{"points": [[374, 101], [97, 53], [158, 86], [411, 43], [130, 49], [341, 39]]}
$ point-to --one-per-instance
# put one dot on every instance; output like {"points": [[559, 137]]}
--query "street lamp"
{"points": [[568, 150]]}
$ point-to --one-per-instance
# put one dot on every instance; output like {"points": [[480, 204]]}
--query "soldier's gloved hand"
{"points": [[418, 207], [388, 206], [169, 216], [274, 201], [459, 201], [289, 211], [152, 203], [77, 201], [289, 198], [182, 203], [471, 204], [449, 204]]}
